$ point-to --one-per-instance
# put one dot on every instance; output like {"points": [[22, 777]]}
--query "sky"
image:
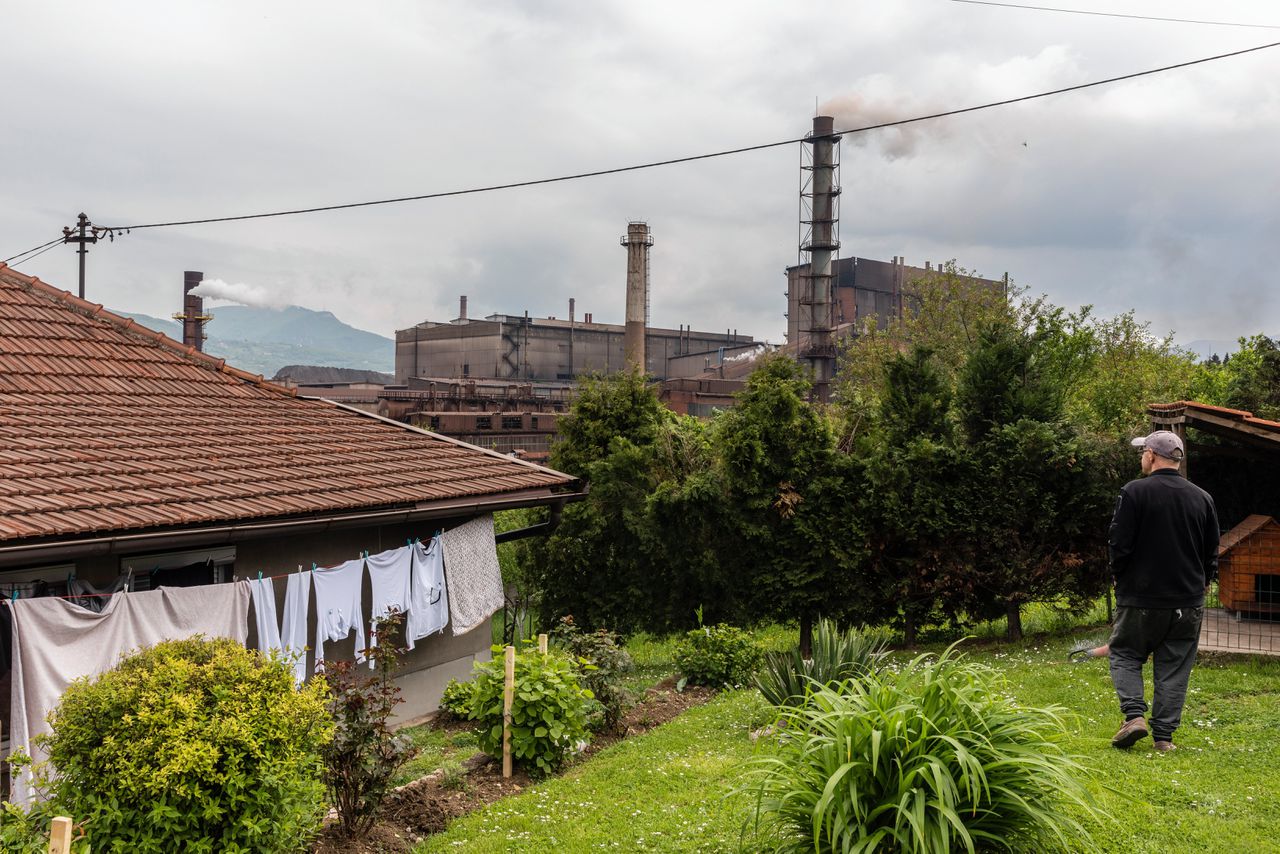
{"points": [[1158, 195]]}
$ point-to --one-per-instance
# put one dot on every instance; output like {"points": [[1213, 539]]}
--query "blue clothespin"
{"points": [[313, 567], [259, 575]]}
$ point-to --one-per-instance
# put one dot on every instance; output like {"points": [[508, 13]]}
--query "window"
{"points": [[181, 569], [435, 423], [512, 422], [484, 422], [533, 420]]}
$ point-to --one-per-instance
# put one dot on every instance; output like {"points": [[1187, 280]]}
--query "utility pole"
{"points": [[83, 238]]}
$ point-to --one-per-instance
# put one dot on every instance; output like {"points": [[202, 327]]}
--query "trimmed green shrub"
{"points": [[362, 759], [455, 702], [602, 663], [786, 678], [192, 745], [548, 713], [936, 758], [718, 655]]}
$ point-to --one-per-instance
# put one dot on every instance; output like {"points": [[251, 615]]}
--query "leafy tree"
{"points": [[1038, 492], [791, 497]]}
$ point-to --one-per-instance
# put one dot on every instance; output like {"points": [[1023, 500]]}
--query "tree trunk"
{"points": [[1013, 613], [909, 629], [806, 635]]}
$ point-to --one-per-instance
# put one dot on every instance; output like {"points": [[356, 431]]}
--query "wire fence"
{"points": [[1242, 612]]}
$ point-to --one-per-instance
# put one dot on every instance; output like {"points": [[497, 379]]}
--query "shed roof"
{"points": [[107, 426], [1250, 526]]}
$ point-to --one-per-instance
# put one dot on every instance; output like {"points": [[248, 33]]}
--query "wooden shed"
{"points": [[1249, 566]]}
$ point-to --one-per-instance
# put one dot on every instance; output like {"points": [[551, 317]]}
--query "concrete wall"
{"points": [[424, 671]]}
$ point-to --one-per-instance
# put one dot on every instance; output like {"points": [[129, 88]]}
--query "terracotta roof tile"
{"points": [[107, 426]]}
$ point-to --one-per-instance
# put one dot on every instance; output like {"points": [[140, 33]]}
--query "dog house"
{"points": [[1249, 566]]}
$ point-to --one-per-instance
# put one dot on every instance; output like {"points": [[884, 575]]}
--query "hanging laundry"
{"points": [[429, 606], [86, 595], [338, 607], [293, 629], [55, 642], [474, 577], [390, 574], [264, 613]]}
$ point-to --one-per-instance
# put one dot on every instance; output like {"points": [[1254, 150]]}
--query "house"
{"points": [[1249, 566], [123, 450]]}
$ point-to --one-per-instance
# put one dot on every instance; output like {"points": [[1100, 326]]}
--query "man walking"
{"points": [[1164, 553]]}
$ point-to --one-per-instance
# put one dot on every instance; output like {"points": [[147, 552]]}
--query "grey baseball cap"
{"points": [[1162, 443]]}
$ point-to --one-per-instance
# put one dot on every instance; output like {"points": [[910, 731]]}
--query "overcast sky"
{"points": [[1157, 194]]}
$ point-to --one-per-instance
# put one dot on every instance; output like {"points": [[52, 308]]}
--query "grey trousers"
{"points": [[1170, 636]]}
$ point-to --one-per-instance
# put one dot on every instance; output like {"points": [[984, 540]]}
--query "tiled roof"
{"points": [[107, 426], [1237, 415]]}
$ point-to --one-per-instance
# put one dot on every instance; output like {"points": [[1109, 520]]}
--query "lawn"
{"points": [[672, 789]]}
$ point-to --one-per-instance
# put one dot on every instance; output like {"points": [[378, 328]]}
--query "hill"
{"points": [[264, 340]]}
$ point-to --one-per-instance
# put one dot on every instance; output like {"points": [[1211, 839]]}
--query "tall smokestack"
{"points": [[571, 309], [820, 195], [637, 240], [193, 316], [462, 308]]}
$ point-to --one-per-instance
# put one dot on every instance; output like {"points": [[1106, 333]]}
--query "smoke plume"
{"points": [[856, 111], [254, 295]]}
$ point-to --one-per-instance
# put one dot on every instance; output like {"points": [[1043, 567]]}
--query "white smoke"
{"points": [[255, 295]]}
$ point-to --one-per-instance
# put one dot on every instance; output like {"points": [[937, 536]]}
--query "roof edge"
{"points": [[131, 326]]}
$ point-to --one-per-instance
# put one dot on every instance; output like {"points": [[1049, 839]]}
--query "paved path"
{"points": [[1222, 632]]}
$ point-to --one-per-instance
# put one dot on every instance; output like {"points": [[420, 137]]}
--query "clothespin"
{"points": [[259, 575], [313, 567], [15, 594], [299, 567], [408, 542]]}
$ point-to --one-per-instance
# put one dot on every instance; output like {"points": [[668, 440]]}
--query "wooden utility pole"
{"points": [[508, 700]]}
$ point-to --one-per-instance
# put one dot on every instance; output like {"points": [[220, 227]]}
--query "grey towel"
{"points": [[55, 642], [471, 573]]}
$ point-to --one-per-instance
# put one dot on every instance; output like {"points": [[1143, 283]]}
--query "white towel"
{"points": [[389, 584], [264, 613], [293, 631], [339, 610], [474, 577], [429, 611], [55, 642]]}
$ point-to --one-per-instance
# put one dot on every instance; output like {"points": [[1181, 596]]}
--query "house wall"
{"points": [[423, 672]]}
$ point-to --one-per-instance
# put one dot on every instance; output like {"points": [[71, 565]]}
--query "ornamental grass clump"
{"points": [[935, 758], [192, 745], [786, 678]]}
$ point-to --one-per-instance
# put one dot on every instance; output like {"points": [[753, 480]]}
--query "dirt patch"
{"points": [[426, 806]]}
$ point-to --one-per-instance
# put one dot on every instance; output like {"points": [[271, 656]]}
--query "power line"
{"points": [[695, 157], [41, 252], [37, 250], [1119, 15]]}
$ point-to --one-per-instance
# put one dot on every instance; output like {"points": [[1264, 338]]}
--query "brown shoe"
{"points": [[1165, 746], [1133, 731]]}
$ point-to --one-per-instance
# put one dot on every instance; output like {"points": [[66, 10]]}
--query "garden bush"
{"points": [[548, 713], [362, 759], [786, 678], [935, 758], [192, 745], [603, 662], [718, 655], [455, 701]]}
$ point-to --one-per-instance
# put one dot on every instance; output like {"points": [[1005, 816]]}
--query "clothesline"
{"points": [[364, 555]]}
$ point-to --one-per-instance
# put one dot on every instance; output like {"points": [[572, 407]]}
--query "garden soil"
{"points": [[426, 806]]}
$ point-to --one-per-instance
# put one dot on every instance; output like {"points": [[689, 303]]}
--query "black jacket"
{"points": [[1164, 542]]}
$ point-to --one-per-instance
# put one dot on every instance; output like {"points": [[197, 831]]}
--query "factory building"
{"points": [[553, 350]]}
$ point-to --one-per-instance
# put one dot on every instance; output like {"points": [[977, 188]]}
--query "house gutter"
{"points": [[34, 554]]}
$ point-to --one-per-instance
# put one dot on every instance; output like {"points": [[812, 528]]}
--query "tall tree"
{"points": [[791, 500]]}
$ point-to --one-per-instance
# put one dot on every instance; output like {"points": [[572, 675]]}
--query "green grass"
{"points": [[669, 790], [435, 747]]}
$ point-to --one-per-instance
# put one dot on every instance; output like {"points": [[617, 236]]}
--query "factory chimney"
{"points": [[462, 308], [820, 241], [637, 240], [192, 317], [571, 301]]}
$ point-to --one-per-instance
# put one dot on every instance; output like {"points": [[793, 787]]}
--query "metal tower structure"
{"points": [[819, 247]]}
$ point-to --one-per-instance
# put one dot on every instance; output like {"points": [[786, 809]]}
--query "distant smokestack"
{"points": [[462, 308], [571, 309], [821, 215], [637, 240], [193, 316]]}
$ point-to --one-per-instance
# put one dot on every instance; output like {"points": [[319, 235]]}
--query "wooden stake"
{"points": [[508, 699], [542, 644], [60, 835]]}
